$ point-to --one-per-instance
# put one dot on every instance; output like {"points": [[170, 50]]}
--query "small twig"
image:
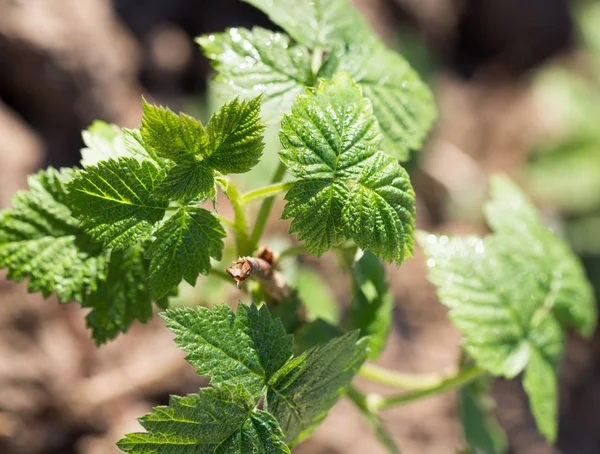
{"points": [[262, 269]]}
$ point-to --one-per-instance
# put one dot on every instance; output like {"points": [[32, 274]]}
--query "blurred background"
{"points": [[518, 90]]}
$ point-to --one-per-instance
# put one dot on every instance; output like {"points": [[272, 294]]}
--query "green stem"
{"points": [[226, 221], [459, 380], [240, 226], [411, 382], [362, 402], [265, 192], [264, 211], [317, 59]]}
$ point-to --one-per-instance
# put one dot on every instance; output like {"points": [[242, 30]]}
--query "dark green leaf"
{"points": [[480, 427], [303, 391], [246, 349], [349, 189], [122, 298], [183, 247], [115, 201], [40, 240], [219, 420]]}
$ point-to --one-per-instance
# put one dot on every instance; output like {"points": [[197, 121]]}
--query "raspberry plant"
{"points": [[123, 231]]}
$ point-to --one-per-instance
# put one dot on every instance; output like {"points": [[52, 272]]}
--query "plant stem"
{"points": [[265, 192], [362, 402], [264, 211], [411, 382], [317, 60], [240, 226], [462, 378]]}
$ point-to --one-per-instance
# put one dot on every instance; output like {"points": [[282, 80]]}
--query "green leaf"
{"points": [[403, 104], [40, 240], [349, 189], [244, 349], [230, 143], [122, 298], [303, 391], [481, 429], [259, 61], [541, 384], [183, 247], [372, 303], [107, 141], [513, 293], [318, 23], [115, 201], [219, 420], [511, 214]]}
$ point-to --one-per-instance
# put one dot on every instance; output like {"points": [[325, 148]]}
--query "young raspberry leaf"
{"points": [[349, 189], [221, 420], [573, 300], [403, 104], [372, 303], [183, 247], [116, 201], [245, 349], [122, 298], [318, 23], [40, 240], [512, 295], [303, 391], [230, 143], [259, 61]]}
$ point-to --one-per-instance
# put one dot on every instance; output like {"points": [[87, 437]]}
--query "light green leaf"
{"points": [[372, 305], [541, 384], [122, 298], [480, 427], [220, 420], [244, 349], [572, 295], [349, 189], [231, 143], [115, 201], [183, 247], [259, 61], [107, 141], [318, 23], [513, 294], [40, 240], [303, 391]]}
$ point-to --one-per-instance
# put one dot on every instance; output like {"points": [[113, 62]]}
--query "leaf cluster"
{"points": [[262, 397]]}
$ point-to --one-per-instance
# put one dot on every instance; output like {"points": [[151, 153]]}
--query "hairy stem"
{"points": [[264, 211], [240, 226], [265, 192], [460, 379], [410, 382]]}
